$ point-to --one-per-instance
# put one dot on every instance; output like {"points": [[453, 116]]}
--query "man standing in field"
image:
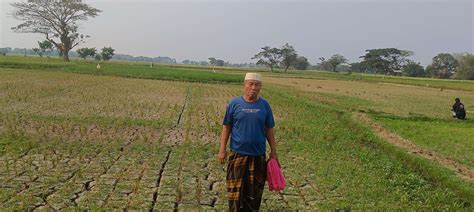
{"points": [[249, 123]]}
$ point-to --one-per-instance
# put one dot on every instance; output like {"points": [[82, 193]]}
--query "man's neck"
{"points": [[250, 99]]}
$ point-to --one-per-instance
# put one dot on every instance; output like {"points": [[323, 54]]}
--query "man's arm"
{"points": [[224, 138], [272, 143]]}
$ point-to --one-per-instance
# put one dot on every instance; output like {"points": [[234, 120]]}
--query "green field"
{"points": [[450, 138], [131, 136], [122, 69]]}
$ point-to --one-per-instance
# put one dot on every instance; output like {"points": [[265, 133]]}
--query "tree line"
{"points": [[46, 47], [284, 57], [58, 22], [105, 54], [42, 52], [387, 61]]}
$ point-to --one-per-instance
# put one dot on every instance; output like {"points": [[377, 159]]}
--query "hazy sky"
{"points": [[235, 30]]}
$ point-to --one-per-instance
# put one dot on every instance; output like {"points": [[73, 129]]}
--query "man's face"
{"points": [[252, 88]]}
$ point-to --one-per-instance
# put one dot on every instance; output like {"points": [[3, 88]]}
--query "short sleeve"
{"points": [[269, 122], [229, 114]]}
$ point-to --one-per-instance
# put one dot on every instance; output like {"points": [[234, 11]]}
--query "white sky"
{"points": [[235, 30]]}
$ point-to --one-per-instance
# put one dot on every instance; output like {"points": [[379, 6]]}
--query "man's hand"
{"points": [[221, 156], [273, 155], [222, 148], [272, 143]]}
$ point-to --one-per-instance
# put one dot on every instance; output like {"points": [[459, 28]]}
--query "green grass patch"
{"points": [[206, 73], [122, 69], [451, 138], [430, 170], [342, 158]]}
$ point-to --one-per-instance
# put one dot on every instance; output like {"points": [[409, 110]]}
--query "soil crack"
{"points": [[158, 180], [186, 99]]}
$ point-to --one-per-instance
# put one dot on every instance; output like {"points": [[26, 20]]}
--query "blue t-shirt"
{"points": [[249, 121]]}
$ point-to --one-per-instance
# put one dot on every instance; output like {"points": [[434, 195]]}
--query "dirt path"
{"points": [[462, 171]]}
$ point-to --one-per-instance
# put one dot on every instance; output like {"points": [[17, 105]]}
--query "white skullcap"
{"points": [[253, 76]]}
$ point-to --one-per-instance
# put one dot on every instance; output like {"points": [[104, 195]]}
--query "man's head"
{"points": [[252, 85], [457, 100]]}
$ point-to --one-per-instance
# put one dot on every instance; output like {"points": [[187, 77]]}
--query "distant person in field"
{"points": [[249, 123], [458, 109]]}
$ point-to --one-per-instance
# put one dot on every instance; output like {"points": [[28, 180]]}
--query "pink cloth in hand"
{"points": [[276, 180]]}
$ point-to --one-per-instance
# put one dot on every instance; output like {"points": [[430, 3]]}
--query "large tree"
{"points": [[57, 20], [301, 63], [216, 62], [44, 46], [465, 69], [269, 57], [220, 62], [413, 69], [359, 67], [443, 65], [212, 61], [107, 53], [85, 52], [323, 64], [386, 60], [336, 60], [288, 56]]}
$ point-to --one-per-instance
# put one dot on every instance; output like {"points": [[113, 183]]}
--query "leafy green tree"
{"points": [[359, 67], [56, 20], [212, 61], [216, 62], [301, 63], [343, 68], [336, 60], [44, 46], [38, 51], [220, 63], [288, 55], [324, 64], [443, 66], [465, 69], [386, 60], [98, 57], [107, 53], [270, 57], [413, 69], [429, 70], [85, 52]]}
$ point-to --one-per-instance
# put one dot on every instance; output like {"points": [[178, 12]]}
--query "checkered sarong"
{"points": [[245, 181]]}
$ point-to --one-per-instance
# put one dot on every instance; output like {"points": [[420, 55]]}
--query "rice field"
{"points": [[421, 114], [87, 141], [380, 97]]}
